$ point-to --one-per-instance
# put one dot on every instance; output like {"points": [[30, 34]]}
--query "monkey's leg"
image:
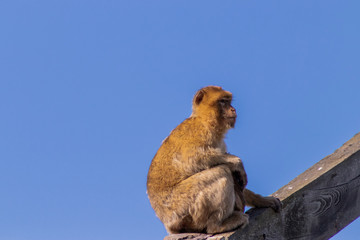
{"points": [[255, 200], [239, 185], [205, 202], [239, 201], [220, 222]]}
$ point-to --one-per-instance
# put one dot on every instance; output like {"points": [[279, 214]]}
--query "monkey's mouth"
{"points": [[231, 120]]}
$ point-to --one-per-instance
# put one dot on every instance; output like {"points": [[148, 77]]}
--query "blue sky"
{"points": [[89, 89]]}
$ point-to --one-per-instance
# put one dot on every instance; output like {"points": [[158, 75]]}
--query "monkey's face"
{"points": [[227, 112], [215, 103]]}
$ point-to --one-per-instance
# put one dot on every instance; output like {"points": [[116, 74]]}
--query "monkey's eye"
{"points": [[224, 101]]}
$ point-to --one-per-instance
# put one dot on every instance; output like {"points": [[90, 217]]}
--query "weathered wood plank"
{"points": [[324, 165], [316, 205]]}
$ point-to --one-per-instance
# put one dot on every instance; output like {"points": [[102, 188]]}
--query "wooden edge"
{"points": [[319, 168]]}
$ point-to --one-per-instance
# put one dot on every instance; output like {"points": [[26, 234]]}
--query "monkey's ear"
{"points": [[199, 97]]}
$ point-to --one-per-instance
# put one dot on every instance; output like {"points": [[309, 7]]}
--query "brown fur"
{"points": [[193, 184]]}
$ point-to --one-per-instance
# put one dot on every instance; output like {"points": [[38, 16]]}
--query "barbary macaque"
{"points": [[194, 184]]}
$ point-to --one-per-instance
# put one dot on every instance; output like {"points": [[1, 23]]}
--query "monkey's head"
{"points": [[214, 104]]}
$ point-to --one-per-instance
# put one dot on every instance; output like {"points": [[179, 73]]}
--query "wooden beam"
{"points": [[316, 205]]}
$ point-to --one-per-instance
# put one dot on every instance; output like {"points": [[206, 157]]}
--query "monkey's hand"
{"points": [[276, 204], [236, 164], [238, 171]]}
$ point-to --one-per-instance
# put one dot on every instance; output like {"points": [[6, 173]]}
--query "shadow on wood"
{"points": [[316, 205]]}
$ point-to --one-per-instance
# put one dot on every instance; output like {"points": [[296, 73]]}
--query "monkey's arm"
{"points": [[194, 161], [255, 200]]}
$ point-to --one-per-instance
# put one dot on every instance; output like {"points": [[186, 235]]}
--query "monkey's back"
{"points": [[164, 173]]}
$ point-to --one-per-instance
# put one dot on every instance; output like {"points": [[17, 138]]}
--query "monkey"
{"points": [[193, 183]]}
